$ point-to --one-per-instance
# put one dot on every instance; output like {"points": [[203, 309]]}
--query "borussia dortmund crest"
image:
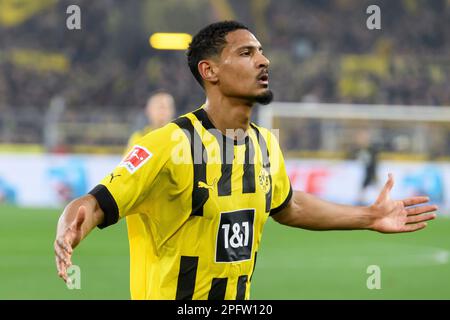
{"points": [[263, 180]]}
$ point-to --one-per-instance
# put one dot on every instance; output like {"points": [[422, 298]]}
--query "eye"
{"points": [[245, 53]]}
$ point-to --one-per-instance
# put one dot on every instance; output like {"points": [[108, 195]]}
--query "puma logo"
{"points": [[204, 185], [113, 176]]}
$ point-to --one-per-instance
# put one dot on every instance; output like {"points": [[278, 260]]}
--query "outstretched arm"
{"points": [[385, 215], [79, 217]]}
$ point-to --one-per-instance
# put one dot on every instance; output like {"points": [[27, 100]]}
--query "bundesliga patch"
{"points": [[136, 158]]}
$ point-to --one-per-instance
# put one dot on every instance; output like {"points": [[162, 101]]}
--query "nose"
{"points": [[263, 61]]}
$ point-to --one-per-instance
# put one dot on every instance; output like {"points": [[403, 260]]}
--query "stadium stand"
{"points": [[319, 52]]}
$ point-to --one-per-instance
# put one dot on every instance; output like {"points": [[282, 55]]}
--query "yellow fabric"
{"points": [[159, 193], [140, 250]]}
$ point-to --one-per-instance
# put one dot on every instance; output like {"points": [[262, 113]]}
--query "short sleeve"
{"points": [[281, 185], [133, 179]]}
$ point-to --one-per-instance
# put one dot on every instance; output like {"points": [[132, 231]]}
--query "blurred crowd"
{"points": [[324, 52], [320, 51]]}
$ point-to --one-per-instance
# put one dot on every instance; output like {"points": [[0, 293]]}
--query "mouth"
{"points": [[263, 79]]}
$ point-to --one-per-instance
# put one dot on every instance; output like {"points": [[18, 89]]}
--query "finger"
{"points": [[414, 227], [422, 209], [59, 264], [64, 245], [62, 269], [62, 250], [387, 187], [63, 274], [415, 200], [62, 255], [420, 218], [62, 265]]}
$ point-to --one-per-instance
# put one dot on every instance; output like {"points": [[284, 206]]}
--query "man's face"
{"points": [[160, 109], [243, 69]]}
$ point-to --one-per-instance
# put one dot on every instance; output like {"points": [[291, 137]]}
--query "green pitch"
{"points": [[292, 264]]}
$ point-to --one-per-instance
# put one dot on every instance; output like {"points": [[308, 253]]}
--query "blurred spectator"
{"points": [[159, 111]]}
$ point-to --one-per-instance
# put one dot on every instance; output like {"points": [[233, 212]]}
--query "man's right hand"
{"points": [[78, 219], [67, 238]]}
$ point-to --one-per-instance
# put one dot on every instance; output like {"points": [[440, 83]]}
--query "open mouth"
{"points": [[264, 79]]}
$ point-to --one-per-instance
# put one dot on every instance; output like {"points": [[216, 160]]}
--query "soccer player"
{"points": [[159, 111], [206, 183]]}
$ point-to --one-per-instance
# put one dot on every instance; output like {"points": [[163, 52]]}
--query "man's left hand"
{"points": [[394, 216]]}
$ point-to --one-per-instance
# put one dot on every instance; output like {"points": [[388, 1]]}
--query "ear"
{"points": [[208, 70]]}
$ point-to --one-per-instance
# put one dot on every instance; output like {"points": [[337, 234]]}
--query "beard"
{"points": [[264, 98]]}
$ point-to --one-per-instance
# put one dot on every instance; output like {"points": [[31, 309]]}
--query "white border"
{"points": [[253, 236]]}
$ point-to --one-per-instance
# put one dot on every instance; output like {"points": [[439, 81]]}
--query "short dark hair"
{"points": [[208, 42]]}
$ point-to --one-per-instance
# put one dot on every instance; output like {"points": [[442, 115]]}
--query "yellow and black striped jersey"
{"points": [[137, 231], [203, 199]]}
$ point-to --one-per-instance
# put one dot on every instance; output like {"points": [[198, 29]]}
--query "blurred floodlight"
{"points": [[170, 41]]}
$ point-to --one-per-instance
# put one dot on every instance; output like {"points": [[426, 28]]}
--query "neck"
{"points": [[226, 114], [158, 124]]}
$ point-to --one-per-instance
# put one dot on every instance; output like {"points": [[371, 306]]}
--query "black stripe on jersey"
{"points": [[199, 195], [208, 125], [227, 155], [284, 204], [107, 204], [186, 278], [201, 115], [218, 289], [226, 152], [266, 164], [254, 265], [241, 287], [248, 182]]}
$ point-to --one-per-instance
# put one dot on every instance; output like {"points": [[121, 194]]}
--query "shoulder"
{"points": [[159, 139], [162, 135], [188, 125], [271, 136], [138, 135], [185, 121]]}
